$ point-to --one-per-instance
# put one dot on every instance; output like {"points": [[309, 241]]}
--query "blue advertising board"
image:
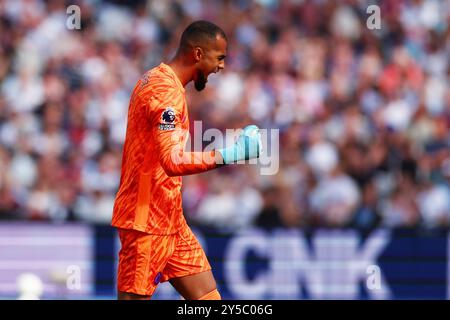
{"points": [[326, 264], [80, 262]]}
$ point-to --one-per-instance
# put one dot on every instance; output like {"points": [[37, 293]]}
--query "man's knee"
{"points": [[212, 295]]}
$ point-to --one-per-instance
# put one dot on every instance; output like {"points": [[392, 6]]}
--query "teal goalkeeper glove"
{"points": [[247, 146]]}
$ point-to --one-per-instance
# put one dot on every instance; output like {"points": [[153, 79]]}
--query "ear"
{"points": [[198, 54]]}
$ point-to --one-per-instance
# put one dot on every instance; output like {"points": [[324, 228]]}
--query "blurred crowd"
{"points": [[363, 115]]}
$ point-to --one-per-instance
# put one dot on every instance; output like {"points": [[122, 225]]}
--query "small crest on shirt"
{"points": [[168, 115], [167, 119]]}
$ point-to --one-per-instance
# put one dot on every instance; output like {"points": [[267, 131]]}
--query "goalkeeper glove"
{"points": [[247, 146]]}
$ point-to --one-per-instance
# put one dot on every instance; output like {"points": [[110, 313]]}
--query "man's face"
{"points": [[212, 60]]}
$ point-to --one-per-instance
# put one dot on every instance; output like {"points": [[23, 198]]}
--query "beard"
{"points": [[200, 83]]}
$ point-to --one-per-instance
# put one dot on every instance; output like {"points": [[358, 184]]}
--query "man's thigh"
{"points": [[188, 269]]}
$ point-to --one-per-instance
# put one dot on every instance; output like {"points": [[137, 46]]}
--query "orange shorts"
{"points": [[147, 259]]}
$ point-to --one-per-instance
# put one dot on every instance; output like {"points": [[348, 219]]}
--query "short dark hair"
{"points": [[198, 33]]}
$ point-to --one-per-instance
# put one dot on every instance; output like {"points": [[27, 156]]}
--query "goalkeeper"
{"points": [[157, 244]]}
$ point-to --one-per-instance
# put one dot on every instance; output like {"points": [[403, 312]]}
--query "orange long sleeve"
{"points": [[171, 127]]}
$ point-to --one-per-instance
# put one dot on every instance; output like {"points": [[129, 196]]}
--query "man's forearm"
{"points": [[187, 163]]}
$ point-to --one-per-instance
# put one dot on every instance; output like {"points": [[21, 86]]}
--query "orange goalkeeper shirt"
{"points": [[149, 195]]}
